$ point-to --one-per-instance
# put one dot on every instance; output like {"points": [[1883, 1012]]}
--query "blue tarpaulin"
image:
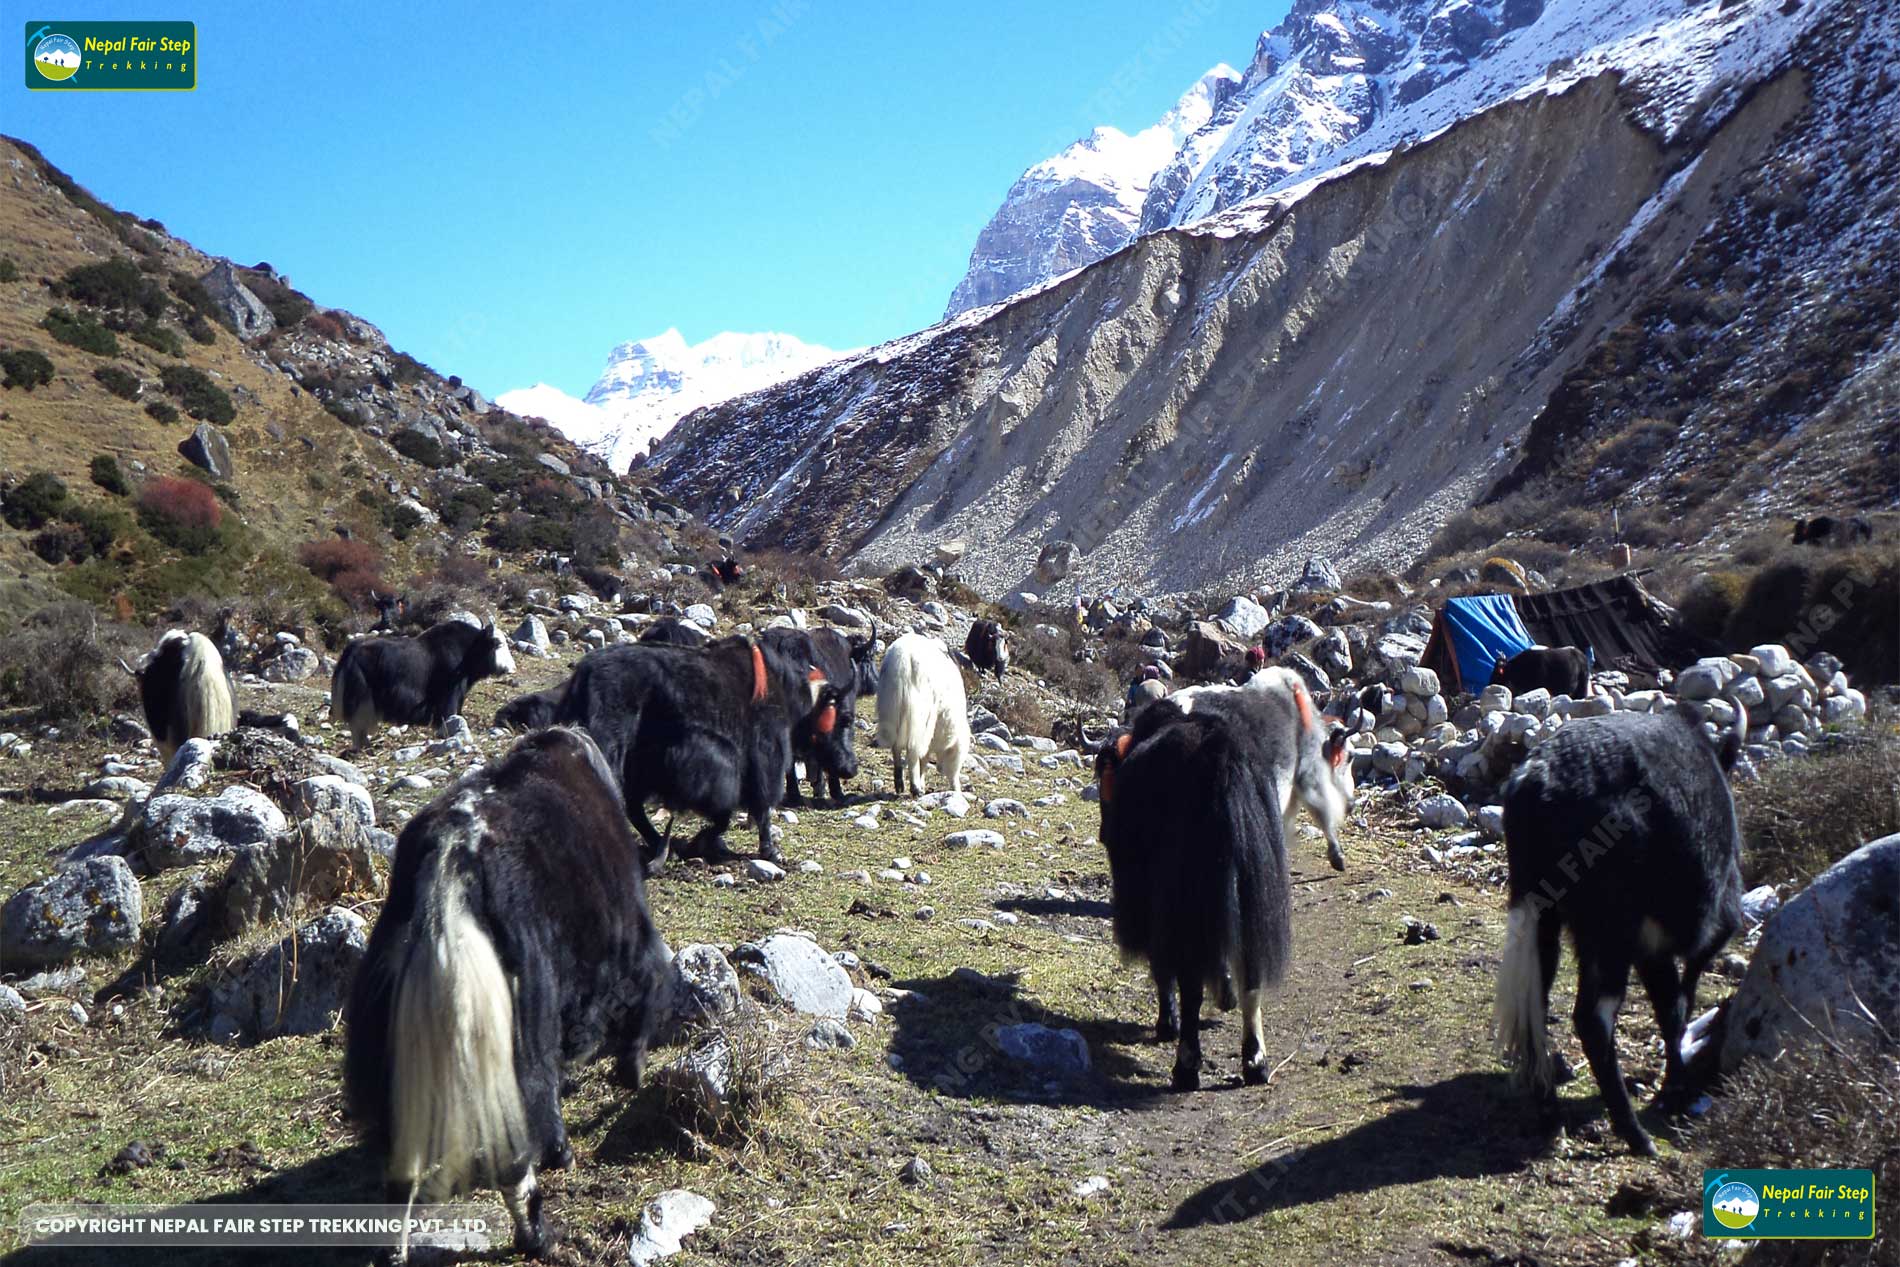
{"points": [[1469, 636]]}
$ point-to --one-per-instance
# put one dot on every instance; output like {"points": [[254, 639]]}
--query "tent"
{"points": [[1469, 635], [1615, 620]]}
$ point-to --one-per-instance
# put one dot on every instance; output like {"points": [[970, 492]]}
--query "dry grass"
{"points": [[1801, 817]]}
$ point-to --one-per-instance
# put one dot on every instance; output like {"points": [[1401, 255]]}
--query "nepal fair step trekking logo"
{"points": [[112, 56], [1768, 1205]]}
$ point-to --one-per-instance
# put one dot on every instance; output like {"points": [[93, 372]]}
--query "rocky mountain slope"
{"points": [[1343, 365], [1085, 202], [649, 384]]}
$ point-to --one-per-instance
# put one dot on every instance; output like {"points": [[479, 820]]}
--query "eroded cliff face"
{"points": [[1338, 368]]}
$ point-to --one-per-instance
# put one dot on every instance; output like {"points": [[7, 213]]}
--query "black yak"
{"points": [[1622, 830], [515, 940], [186, 691], [531, 711], [675, 633], [412, 681], [1559, 670], [703, 730], [1198, 867], [987, 645], [823, 740]]}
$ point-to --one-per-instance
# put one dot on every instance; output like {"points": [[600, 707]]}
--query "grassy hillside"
{"points": [[328, 428]]}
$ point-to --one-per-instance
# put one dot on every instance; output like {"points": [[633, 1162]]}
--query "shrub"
{"points": [[62, 543], [1801, 817], [286, 305], [407, 370], [202, 398], [118, 380], [545, 496], [9, 271], [520, 530], [35, 501], [1710, 602], [162, 411], [64, 663], [102, 525], [329, 326], [465, 506], [114, 283], [25, 368], [191, 292], [421, 447], [596, 538], [159, 338], [330, 557], [200, 330], [181, 513], [81, 330], [107, 475], [1052, 657]]}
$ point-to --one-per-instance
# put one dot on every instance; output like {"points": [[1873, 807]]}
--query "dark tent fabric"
{"points": [[1469, 635], [1616, 620]]}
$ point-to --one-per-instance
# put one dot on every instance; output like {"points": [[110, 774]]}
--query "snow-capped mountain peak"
{"points": [[1075, 207], [650, 384]]}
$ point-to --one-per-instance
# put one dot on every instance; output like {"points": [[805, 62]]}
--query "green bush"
{"points": [[25, 368], [114, 283], [523, 531], [102, 525], [200, 330], [80, 329], [9, 271], [191, 292], [202, 398], [118, 380], [1710, 603], [162, 411], [420, 447], [159, 338], [107, 475], [399, 519], [465, 506], [35, 501], [407, 370], [61, 543]]}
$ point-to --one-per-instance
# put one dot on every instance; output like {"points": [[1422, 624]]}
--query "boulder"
{"points": [[842, 615], [700, 614], [1773, 658], [1242, 617], [1056, 561], [297, 986], [1418, 680], [1442, 810], [1706, 678], [1333, 654], [333, 796], [666, 1221], [276, 878], [950, 553], [532, 633], [178, 831], [1829, 959], [242, 309], [976, 838], [1316, 678], [553, 463], [292, 664], [1501, 571], [1060, 1052], [1207, 650], [207, 448], [1289, 632], [798, 973], [1319, 576], [1389, 657], [82, 908], [190, 768], [705, 988]]}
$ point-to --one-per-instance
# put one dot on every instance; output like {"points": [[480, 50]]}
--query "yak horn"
{"points": [[128, 668]]}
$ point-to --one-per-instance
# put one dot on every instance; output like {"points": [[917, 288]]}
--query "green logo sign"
{"points": [[109, 56], [1788, 1205]]}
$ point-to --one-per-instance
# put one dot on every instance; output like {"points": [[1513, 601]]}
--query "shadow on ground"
{"points": [[1469, 1126]]}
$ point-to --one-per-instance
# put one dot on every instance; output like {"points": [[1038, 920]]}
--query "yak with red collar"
{"points": [[706, 730]]}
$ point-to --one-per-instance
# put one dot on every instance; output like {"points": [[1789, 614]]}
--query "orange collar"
{"points": [[758, 673], [1304, 703]]}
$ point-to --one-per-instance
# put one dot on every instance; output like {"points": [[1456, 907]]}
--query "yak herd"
{"points": [[515, 938]]}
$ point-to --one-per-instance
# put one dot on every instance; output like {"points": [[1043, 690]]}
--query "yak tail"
{"points": [[1517, 1018], [348, 688], [1262, 932], [204, 691], [456, 1113]]}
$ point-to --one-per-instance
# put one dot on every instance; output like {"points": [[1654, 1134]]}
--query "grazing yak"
{"points": [[988, 648], [531, 711], [412, 681], [829, 758], [1620, 829], [515, 940], [1308, 763], [186, 691], [708, 731], [1833, 530], [922, 713], [1559, 670], [675, 633], [1197, 864]]}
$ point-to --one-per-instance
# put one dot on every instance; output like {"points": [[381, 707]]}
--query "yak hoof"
{"points": [[1187, 1077], [1254, 1072], [1166, 1031], [558, 1157], [1337, 857], [533, 1241], [1639, 1141], [1229, 998]]}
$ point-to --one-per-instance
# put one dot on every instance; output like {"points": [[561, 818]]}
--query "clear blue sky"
{"points": [[508, 191]]}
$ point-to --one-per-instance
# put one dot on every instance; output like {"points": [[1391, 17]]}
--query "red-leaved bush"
{"points": [[353, 568], [181, 513]]}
